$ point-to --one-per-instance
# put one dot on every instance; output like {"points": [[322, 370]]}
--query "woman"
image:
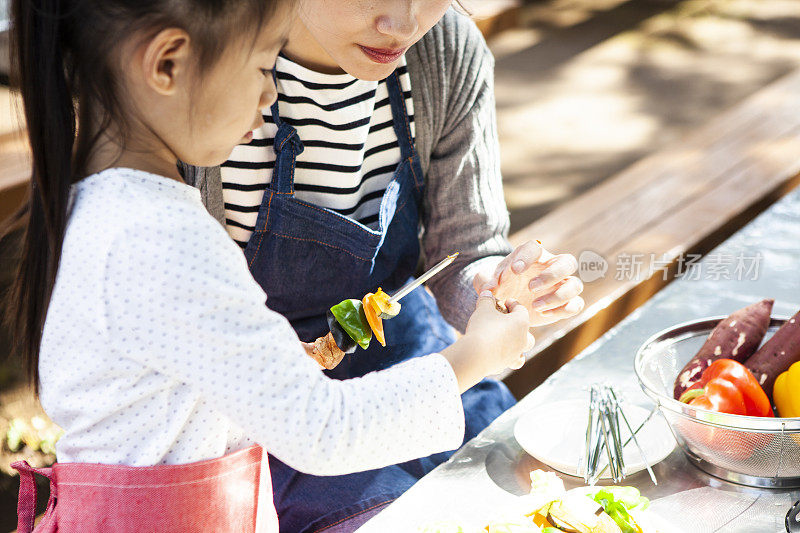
{"points": [[381, 149]]}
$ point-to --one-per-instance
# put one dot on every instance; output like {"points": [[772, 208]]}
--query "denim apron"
{"points": [[307, 259]]}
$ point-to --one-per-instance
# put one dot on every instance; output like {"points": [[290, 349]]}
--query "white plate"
{"points": [[555, 434]]}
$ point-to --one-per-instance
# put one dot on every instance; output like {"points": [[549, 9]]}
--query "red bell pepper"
{"points": [[728, 387]]}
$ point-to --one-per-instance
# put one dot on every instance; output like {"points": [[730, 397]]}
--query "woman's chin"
{"points": [[368, 70]]}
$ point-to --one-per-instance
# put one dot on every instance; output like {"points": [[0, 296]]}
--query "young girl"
{"points": [[138, 319], [384, 107]]}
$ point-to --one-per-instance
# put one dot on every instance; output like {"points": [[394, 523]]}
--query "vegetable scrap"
{"points": [[549, 508]]}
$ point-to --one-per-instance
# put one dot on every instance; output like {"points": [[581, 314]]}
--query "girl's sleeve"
{"points": [[464, 209], [179, 298]]}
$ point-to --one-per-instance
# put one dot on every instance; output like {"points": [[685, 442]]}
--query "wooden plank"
{"points": [[15, 171], [685, 199], [15, 166], [712, 146], [494, 16], [11, 200]]}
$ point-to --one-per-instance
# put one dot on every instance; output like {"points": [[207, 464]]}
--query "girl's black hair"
{"points": [[63, 63]]}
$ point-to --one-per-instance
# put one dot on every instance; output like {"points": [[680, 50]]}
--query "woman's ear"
{"points": [[166, 60]]}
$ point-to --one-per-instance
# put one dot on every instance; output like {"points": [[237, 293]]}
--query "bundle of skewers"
{"points": [[353, 323], [604, 437]]}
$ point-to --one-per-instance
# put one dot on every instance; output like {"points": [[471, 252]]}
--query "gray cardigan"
{"points": [[452, 87]]}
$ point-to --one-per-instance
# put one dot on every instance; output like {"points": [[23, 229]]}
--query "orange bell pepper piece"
{"points": [[372, 309]]}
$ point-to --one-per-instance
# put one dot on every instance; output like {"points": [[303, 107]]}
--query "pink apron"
{"points": [[232, 493]]}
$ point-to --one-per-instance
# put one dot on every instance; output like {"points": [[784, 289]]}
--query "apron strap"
{"points": [[287, 146], [26, 505], [402, 125]]}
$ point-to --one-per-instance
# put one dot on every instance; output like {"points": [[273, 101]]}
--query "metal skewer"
{"points": [[636, 441], [605, 431], [608, 441], [597, 440], [632, 437], [598, 449], [590, 431], [438, 267], [613, 416]]}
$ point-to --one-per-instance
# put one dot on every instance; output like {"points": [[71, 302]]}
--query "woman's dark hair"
{"points": [[63, 63]]}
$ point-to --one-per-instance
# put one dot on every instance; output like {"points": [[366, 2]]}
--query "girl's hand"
{"points": [[506, 333], [310, 349], [537, 279], [493, 341]]}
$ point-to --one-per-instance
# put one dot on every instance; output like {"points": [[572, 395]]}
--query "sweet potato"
{"points": [[736, 337], [777, 354]]}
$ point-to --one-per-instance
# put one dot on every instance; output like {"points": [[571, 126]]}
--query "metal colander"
{"points": [[755, 451]]}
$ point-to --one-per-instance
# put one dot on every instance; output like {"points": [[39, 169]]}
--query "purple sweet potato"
{"points": [[736, 337], [777, 354]]}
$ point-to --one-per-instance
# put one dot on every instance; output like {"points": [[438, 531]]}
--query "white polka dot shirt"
{"points": [[158, 349]]}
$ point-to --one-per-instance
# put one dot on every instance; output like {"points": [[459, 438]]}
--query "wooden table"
{"points": [[486, 474], [684, 199]]}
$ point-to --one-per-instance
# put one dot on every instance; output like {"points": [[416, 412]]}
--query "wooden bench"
{"points": [[682, 200], [14, 154], [15, 171], [495, 16]]}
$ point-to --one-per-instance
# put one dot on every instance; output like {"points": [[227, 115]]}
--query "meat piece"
{"points": [[326, 352]]}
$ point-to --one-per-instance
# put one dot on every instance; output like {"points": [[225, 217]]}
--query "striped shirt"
{"points": [[351, 148]]}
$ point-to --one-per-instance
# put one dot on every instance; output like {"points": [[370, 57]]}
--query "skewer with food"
{"points": [[353, 323]]}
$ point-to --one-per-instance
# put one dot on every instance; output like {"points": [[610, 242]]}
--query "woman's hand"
{"points": [[493, 341], [537, 279]]}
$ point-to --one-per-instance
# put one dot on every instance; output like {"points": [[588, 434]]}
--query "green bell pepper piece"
{"points": [[350, 315], [628, 496], [616, 502], [340, 337]]}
